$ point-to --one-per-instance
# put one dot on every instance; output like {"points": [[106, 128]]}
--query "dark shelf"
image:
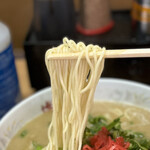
{"points": [[121, 36]]}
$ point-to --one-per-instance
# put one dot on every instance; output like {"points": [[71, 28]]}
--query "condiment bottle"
{"points": [[94, 17], [141, 18]]}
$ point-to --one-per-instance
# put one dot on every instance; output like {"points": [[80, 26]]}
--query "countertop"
{"points": [[23, 77]]}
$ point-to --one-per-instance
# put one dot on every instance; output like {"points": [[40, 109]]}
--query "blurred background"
{"points": [[18, 15], [36, 25]]}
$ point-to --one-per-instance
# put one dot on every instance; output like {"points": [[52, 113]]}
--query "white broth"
{"points": [[134, 118]]}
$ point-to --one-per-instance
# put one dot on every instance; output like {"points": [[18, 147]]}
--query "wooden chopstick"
{"points": [[120, 53], [128, 53]]}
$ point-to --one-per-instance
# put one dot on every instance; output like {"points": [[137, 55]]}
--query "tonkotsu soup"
{"points": [[33, 136]]}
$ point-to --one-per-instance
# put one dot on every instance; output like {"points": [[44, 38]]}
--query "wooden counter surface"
{"points": [[23, 77]]}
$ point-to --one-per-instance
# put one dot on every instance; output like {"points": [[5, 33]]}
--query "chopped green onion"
{"points": [[23, 133], [137, 140], [37, 146]]}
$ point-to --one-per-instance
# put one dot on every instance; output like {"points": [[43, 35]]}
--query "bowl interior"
{"points": [[107, 89]]}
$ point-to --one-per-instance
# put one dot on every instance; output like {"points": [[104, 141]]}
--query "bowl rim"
{"points": [[46, 89]]}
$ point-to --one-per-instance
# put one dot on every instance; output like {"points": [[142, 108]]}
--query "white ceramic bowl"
{"points": [[107, 89]]}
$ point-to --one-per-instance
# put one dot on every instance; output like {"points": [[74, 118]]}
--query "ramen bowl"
{"points": [[107, 89]]}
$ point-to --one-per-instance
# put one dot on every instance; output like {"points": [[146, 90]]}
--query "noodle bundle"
{"points": [[73, 83]]}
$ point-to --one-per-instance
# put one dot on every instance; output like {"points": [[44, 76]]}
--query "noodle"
{"points": [[132, 113], [73, 85]]}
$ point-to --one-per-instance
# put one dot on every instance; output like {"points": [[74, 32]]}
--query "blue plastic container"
{"points": [[9, 86]]}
